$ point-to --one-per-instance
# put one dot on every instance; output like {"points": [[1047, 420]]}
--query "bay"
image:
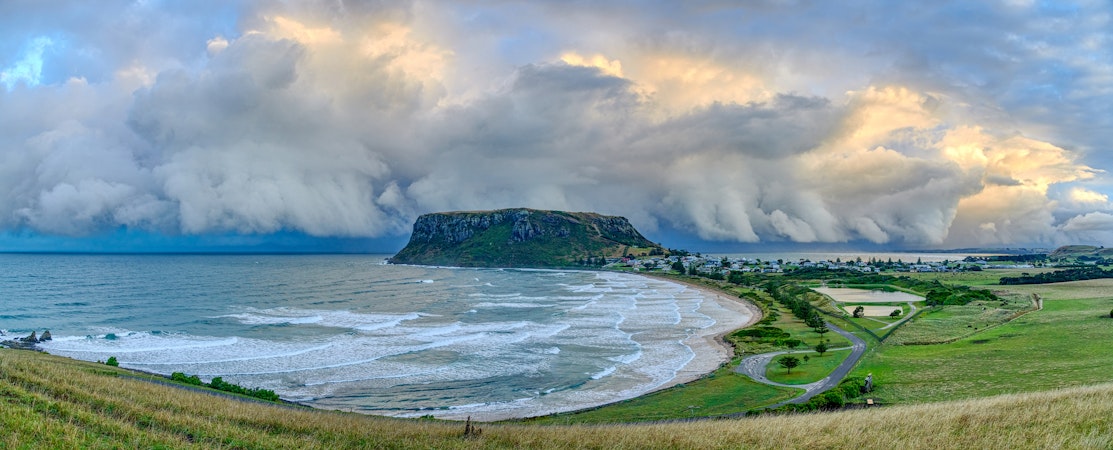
{"points": [[351, 333]]}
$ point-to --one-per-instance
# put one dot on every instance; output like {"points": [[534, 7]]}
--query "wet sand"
{"points": [[709, 346]]}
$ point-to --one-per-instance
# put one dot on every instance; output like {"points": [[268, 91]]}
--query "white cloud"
{"points": [[349, 119]]}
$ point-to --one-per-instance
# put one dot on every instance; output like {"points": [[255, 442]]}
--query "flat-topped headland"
{"points": [[521, 237]]}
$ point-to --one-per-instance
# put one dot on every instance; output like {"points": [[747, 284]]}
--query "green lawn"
{"points": [[877, 324], [815, 369], [1065, 344], [722, 392], [982, 278], [947, 323]]}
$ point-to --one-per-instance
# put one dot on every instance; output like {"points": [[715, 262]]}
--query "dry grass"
{"points": [[51, 402]]}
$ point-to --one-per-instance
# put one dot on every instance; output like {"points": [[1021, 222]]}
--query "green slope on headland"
{"points": [[520, 238]]}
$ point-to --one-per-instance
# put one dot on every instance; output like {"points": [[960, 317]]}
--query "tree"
{"points": [[813, 320], [788, 362], [821, 348], [822, 329], [859, 312], [678, 266], [792, 343], [895, 313], [112, 362], [807, 358]]}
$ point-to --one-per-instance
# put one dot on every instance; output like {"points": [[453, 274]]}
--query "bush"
{"points": [[183, 378], [219, 384], [762, 332], [833, 399], [851, 387], [112, 362]]}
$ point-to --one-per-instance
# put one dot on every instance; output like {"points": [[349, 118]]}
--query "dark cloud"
{"points": [[891, 123]]}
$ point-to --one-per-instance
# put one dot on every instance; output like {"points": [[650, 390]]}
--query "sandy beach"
{"points": [[711, 350]]}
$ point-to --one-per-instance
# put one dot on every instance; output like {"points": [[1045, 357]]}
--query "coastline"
{"points": [[709, 346], [706, 349], [710, 350]]}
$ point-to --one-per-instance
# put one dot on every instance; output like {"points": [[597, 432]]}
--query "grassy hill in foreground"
{"points": [[54, 402]]}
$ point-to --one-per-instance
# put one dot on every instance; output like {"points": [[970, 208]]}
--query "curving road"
{"points": [[754, 367]]}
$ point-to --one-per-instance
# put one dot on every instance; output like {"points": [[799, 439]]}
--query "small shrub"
{"points": [[112, 362], [852, 387], [187, 379], [833, 399]]}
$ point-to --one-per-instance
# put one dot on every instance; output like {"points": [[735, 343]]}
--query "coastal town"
{"points": [[714, 266]]}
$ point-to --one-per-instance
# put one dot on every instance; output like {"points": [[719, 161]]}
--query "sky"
{"points": [[331, 125]]}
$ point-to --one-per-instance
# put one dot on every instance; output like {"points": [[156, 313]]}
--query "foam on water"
{"points": [[487, 343]]}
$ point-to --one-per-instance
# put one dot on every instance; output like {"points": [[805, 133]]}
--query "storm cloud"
{"points": [[949, 125]]}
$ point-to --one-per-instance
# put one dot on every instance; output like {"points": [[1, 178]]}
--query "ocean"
{"points": [[348, 332]]}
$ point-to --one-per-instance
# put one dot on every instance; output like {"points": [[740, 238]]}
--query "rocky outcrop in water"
{"points": [[519, 238], [26, 343]]}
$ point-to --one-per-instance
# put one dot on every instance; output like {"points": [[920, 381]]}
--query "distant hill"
{"points": [[1079, 251], [520, 237]]}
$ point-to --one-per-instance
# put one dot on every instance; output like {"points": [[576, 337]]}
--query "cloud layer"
{"points": [[782, 122]]}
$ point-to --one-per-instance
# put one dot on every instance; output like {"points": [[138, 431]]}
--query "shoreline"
{"points": [[710, 348]]}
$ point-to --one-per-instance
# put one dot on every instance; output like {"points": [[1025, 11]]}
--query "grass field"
{"points": [[982, 278], [723, 392], [815, 369], [56, 403], [947, 323], [1065, 344]]}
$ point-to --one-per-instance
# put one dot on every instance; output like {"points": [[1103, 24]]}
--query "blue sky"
{"points": [[331, 125]]}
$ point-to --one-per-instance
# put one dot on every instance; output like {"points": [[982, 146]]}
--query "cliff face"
{"points": [[517, 238]]}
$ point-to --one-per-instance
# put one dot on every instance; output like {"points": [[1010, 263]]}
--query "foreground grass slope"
{"points": [[52, 402]]}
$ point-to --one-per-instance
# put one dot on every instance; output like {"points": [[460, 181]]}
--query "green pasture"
{"points": [[1065, 344], [983, 278], [814, 369], [943, 324], [722, 392], [876, 324]]}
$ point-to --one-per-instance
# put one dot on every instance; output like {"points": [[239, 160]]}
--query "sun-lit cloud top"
{"points": [[903, 125]]}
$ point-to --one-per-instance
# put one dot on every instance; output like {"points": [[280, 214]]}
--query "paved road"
{"points": [[754, 367]]}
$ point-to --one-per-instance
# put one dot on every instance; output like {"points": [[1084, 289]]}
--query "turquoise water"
{"points": [[348, 332]]}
